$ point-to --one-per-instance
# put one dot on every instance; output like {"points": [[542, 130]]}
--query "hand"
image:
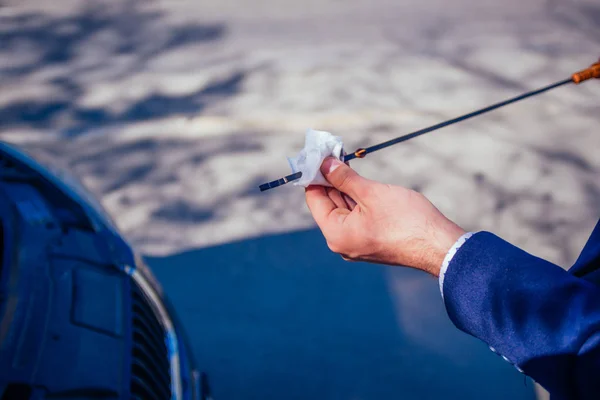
{"points": [[364, 220]]}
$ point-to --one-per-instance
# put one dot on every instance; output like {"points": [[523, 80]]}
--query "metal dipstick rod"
{"points": [[592, 72]]}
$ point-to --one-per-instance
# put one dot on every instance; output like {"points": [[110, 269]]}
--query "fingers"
{"points": [[320, 204], [349, 201], [343, 178], [337, 197], [326, 213]]}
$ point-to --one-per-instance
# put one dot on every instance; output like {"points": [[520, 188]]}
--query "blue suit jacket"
{"points": [[541, 318]]}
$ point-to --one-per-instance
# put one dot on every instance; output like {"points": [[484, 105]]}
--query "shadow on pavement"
{"points": [[282, 317], [94, 45]]}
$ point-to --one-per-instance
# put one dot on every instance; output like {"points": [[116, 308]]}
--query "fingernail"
{"points": [[329, 165]]}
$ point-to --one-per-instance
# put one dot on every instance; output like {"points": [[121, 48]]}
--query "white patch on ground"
{"points": [[175, 134]]}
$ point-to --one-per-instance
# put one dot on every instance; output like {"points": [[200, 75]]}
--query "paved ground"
{"points": [[174, 112]]}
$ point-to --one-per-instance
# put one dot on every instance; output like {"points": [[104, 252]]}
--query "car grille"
{"points": [[150, 367]]}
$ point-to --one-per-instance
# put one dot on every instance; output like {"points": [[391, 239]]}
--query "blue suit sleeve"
{"points": [[535, 314]]}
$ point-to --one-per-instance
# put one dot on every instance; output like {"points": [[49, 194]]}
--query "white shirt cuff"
{"points": [[449, 256]]}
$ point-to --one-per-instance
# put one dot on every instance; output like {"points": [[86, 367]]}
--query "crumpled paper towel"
{"points": [[318, 146]]}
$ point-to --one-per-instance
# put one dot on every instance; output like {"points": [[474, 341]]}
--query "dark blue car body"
{"points": [[81, 316]]}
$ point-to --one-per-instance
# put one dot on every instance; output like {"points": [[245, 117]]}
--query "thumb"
{"points": [[343, 178]]}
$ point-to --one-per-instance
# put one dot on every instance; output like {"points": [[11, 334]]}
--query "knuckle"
{"points": [[352, 256], [338, 246], [333, 246]]}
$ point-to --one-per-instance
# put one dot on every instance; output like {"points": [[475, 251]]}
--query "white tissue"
{"points": [[318, 146]]}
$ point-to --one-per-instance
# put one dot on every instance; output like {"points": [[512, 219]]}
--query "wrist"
{"points": [[442, 240]]}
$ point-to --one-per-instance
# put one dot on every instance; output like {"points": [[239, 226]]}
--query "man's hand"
{"points": [[364, 220]]}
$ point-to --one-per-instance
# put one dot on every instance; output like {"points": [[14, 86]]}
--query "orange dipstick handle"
{"points": [[592, 72]]}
